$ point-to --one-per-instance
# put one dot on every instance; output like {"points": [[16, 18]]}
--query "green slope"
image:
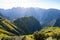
{"points": [[28, 24], [48, 33], [8, 26], [24, 25]]}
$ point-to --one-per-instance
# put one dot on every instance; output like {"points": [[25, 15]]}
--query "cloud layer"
{"points": [[7, 4]]}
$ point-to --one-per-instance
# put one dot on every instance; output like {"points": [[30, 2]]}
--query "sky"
{"points": [[7, 4]]}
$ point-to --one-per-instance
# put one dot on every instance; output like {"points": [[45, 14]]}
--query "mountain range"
{"points": [[18, 21], [44, 16]]}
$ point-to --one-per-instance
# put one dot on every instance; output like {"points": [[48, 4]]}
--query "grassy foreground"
{"points": [[48, 33]]}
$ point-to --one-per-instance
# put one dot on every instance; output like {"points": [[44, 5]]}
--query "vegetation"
{"points": [[23, 29], [47, 32], [28, 24], [7, 27]]}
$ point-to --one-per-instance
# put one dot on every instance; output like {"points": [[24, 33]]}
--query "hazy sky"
{"points": [[7, 4]]}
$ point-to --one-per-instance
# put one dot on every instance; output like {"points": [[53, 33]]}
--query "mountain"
{"points": [[44, 16], [50, 15], [20, 12], [28, 24], [57, 23], [54, 23], [20, 26], [7, 27]]}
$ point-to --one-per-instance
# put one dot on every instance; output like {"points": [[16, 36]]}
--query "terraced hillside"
{"points": [[7, 27]]}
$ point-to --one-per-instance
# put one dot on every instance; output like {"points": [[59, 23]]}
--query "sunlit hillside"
{"points": [[27, 28], [48, 33], [8, 27]]}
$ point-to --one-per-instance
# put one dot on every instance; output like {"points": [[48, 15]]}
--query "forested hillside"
{"points": [[21, 26], [28, 24]]}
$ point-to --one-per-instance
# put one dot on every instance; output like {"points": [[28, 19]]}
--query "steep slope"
{"points": [[50, 15], [8, 27], [19, 12], [57, 23], [28, 24], [54, 23], [51, 23], [44, 16]]}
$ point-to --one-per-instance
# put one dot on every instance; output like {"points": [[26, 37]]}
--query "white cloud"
{"points": [[25, 3]]}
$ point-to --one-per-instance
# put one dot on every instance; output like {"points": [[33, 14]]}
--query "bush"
{"points": [[39, 36], [7, 38], [43, 34]]}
